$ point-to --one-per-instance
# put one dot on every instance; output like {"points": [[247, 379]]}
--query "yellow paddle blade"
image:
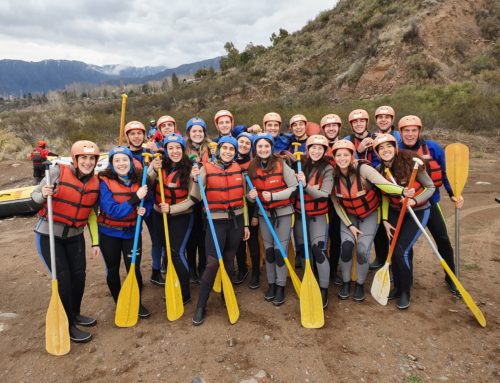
{"points": [[311, 304], [291, 253], [233, 311], [127, 307], [457, 166], [173, 293], [293, 275], [218, 282], [381, 285], [56, 325], [465, 295]]}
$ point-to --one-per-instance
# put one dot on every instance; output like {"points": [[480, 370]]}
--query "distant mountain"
{"points": [[18, 77]]}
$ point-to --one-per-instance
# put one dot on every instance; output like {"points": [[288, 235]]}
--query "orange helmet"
{"points": [[385, 109], [343, 144], [84, 147], [164, 119], [222, 113], [357, 114], [381, 138], [41, 144], [297, 117], [272, 116], [134, 125], [317, 139], [330, 119], [409, 121]]}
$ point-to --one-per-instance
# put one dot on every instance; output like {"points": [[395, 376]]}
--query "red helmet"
{"points": [[41, 144]]}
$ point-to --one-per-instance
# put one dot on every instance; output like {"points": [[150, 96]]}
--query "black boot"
{"points": [[394, 294], [279, 298], [156, 278], [79, 336], [255, 283], [345, 290], [143, 312], [271, 292], [241, 277], [337, 280], [82, 320], [199, 316], [404, 300], [359, 293], [453, 288], [324, 297]]}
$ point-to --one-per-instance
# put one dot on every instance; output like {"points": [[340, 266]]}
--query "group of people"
{"points": [[349, 200]]}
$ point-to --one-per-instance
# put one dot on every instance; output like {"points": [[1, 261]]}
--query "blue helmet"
{"points": [[262, 136], [174, 137], [227, 139], [196, 121], [120, 150], [245, 134]]}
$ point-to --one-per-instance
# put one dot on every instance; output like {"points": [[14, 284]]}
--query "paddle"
{"points": [[122, 119], [457, 170], [465, 295], [213, 146], [173, 292], [129, 299], [56, 321], [381, 283], [311, 304], [293, 275], [230, 298]]}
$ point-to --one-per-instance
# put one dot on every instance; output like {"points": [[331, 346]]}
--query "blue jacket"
{"points": [[437, 153], [282, 142], [111, 207], [235, 132]]}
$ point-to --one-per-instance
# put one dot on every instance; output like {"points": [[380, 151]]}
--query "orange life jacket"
{"points": [[121, 193], [356, 199], [396, 200], [271, 182], [433, 167], [313, 206], [73, 200], [244, 165], [224, 187], [172, 188], [368, 154]]}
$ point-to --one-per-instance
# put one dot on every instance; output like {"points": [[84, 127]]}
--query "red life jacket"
{"points": [[329, 156], [313, 206], [271, 182], [224, 187], [121, 193], [39, 155], [368, 153], [73, 200], [244, 165], [396, 200], [433, 167], [356, 200], [172, 188]]}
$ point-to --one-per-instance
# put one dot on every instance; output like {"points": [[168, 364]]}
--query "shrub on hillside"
{"points": [[420, 67]]}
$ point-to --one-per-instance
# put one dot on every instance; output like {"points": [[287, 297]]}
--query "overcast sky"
{"points": [[144, 32]]}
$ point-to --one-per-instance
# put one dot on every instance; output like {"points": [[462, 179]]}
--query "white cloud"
{"points": [[139, 33]]}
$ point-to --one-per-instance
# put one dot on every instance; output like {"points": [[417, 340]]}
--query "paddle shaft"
{"points": [[303, 213], [401, 214], [139, 217], [52, 245], [165, 220], [457, 241], [122, 118]]}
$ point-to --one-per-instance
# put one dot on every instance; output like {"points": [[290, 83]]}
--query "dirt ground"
{"points": [[437, 339]]}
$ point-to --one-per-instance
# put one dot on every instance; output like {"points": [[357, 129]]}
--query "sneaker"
{"points": [[82, 320], [324, 297], [143, 312], [345, 291], [359, 293], [79, 336], [404, 300], [394, 294], [199, 316], [156, 278], [271, 292], [255, 283], [453, 288], [337, 280], [240, 278], [279, 297]]}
